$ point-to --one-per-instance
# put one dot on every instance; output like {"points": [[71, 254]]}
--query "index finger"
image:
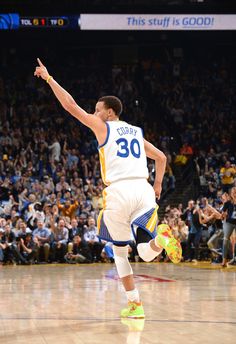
{"points": [[39, 62]]}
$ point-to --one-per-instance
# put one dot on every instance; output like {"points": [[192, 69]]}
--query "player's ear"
{"points": [[109, 114]]}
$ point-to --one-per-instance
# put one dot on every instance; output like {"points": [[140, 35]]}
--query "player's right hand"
{"points": [[157, 188], [41, 71]]}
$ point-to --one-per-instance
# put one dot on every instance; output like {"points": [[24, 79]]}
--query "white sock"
{"points": [[133, 295], [146, 252]]}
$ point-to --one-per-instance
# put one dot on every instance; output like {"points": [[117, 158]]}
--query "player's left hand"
{"points": [[157, 188], [41, 71]]}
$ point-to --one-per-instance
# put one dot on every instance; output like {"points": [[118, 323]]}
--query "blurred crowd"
{"points": [[206, 230], [50, 182]]}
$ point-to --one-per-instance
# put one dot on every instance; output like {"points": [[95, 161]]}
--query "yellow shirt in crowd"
{"points": [[227, 175], [68, 211]]}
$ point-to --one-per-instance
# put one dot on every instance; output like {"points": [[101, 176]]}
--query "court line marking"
{"points": [[118, 319]]}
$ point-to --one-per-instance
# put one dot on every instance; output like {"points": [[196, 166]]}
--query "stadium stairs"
{"points": [[186, 188]]}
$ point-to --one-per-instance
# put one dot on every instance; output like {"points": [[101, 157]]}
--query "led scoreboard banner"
{"points": [[177, 22], [47, 22], [13, 21]]}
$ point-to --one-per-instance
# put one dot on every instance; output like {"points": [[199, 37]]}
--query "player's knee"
{"points": [[120, 251], [121, 259]]}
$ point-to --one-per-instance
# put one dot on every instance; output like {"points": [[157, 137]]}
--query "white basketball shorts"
{"points": [[128, 204]]}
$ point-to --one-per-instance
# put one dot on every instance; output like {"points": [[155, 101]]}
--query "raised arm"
{"points": [[67, 101], [203, 218], [160, 165], [216, 213]]}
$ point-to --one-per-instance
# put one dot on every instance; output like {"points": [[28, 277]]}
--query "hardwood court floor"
{"points": [[80, 304]]}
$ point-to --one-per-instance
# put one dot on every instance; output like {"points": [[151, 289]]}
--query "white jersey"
{"points": [[122, 156]]}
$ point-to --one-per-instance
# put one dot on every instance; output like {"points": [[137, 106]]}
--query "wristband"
{"points": [[48, 78]]}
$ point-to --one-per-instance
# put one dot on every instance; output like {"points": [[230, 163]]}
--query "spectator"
{"points": [[62, 185], [82, 223], [73, 231], [42, 237], [27, 248], [68, 208], [187, 214], [107, 253], [90, 236], [23, 230], [71, 157], [9, 246], [186, 150], [59, 241], [192, 214], [35, 213], [55, 150], [216, 237], [48, 184], [229, 224], [227, 174], [80, 252]]}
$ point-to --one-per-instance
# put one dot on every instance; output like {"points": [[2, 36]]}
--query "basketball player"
{"points": [[129, 200]]}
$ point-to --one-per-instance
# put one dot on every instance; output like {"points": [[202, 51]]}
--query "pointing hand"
{"points": [[41, 71]]}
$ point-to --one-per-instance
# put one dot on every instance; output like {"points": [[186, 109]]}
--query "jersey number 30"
{"points": [[125, 148]]}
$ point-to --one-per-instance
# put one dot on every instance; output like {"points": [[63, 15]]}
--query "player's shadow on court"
{"points": [[135, 328]]}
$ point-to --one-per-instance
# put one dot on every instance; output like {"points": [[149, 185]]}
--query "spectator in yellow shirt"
{"points": [[68, 208], [227, 174]]}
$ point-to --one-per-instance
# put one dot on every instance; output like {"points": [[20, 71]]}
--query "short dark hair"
{"points": [[112, 102]]}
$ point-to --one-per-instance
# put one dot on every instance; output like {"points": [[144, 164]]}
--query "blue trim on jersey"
{"points": [[103, 231], [134, 232], [152, 234], [142, 221], [108, 134], [114, 241], [105, 235]]}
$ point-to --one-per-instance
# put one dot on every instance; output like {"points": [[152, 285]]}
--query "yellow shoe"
{"points": [[134, 311], [166, 240]]}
